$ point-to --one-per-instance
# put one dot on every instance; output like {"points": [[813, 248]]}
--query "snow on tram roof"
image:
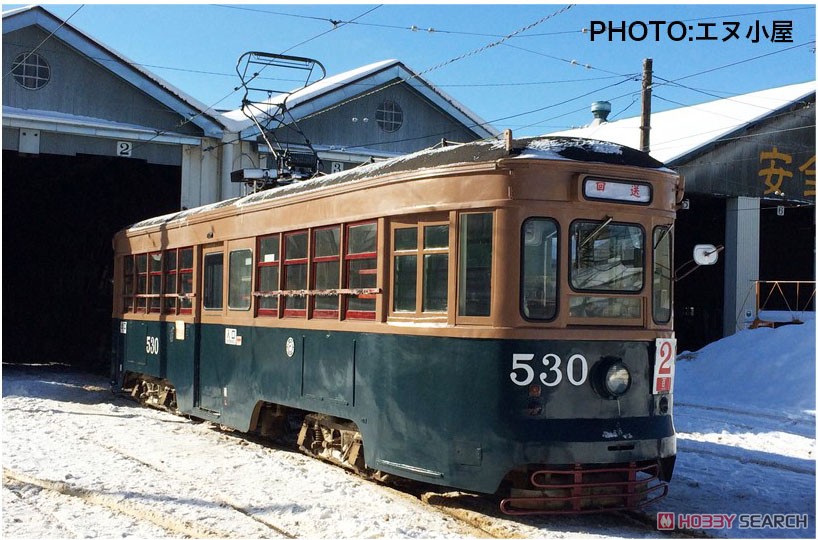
{"points": [[546, 148]]}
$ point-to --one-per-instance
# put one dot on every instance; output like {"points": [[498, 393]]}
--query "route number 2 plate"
{"points": [[665, 366]]}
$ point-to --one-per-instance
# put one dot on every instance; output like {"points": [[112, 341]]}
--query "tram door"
{"points": [[208, 378]]}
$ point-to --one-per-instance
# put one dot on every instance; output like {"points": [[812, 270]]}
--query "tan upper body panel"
{"points": [[512, 188]]}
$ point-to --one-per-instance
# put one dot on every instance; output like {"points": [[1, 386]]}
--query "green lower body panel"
{"points": [[451, 411]]}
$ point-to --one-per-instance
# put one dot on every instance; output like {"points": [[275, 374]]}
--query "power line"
{"points": [[532, 83], [255, 76], [624, 80], [283, 79], [336, 26], [416, 75], [446, 63], [411, 28], [749, 14], [676, 80], [63, 23], [572, 62]]}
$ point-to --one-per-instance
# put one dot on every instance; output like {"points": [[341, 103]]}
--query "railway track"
{"points": [[173, 525], [223, 504]]}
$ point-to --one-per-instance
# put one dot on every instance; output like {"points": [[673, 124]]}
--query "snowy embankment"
{"points": [[745, 417], [79, 462]]}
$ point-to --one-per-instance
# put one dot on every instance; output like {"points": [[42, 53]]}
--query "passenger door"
{"points": [[209, 380]]}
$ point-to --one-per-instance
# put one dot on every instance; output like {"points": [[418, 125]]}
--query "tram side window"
{"points": [[662, 274], [185, 280], [128, 285], [435, 267], [326, 271], [142, 283], [171, 282], [475, 265], [539, 269], [268, 269], [361, 269], [239, 279], [213, 293], [295, 272], [405, 268], [159, 281], [426, 245], [155, 282]]}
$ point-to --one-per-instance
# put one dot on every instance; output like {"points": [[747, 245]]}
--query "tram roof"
{"points": [[485, 151]]}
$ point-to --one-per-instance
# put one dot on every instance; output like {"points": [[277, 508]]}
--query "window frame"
{"points": [[389, 116], [599, 291], [654, 248], [285, 263], [182, 296], [462, 266], [129, 292], [31, 60], [249, 277], [168, 271], [421, 223], [212, 310], [557, 266], [315, 260], [349, 258], [260, 264], [141, 277], [147, 299]]}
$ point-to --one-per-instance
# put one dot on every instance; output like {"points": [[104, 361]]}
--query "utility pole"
{"points": [[647, 82]]}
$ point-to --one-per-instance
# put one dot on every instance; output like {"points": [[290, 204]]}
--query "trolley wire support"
{"points": [[268, 109]]}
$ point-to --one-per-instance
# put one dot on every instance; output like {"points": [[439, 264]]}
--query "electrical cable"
{"points": [[572, 62], [443, 64], [63, 23], [255, 76], [412, 28]]}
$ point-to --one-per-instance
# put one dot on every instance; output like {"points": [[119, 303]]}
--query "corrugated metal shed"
{"points": [[677, 134]]}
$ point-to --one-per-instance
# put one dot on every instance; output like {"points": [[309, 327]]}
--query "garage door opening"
{"points": [[59, 216]]}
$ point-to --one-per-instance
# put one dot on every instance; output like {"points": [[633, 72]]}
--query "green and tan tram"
{"points": [[494, 317]]}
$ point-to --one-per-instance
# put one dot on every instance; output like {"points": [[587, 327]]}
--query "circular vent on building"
{"points": [[31, 71], [389, 116]]}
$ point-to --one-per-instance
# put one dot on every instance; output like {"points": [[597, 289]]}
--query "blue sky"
{"points": [[535, 82]]}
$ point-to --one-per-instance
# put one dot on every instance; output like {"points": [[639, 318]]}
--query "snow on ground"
{"points": [[80, 462], [745, 417]]}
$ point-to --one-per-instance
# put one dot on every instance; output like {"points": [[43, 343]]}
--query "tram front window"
{"points": [[539, 279], [607, 257]]}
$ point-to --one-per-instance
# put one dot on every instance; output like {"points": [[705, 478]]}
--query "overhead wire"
{"points": [[572, 62], [255, 76], [704, 72], [49, 36], [412, 27], [445, 63], [417, 75], [481, 49]]}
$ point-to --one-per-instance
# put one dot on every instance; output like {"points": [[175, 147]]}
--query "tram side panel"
{"points": [[448, 411], [444, 410], [160, 349]]}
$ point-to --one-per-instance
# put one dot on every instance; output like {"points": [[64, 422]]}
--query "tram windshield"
{"points": [[607, 256]]}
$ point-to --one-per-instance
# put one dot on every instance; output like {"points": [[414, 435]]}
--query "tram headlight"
{"points": [[617, 379]]}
